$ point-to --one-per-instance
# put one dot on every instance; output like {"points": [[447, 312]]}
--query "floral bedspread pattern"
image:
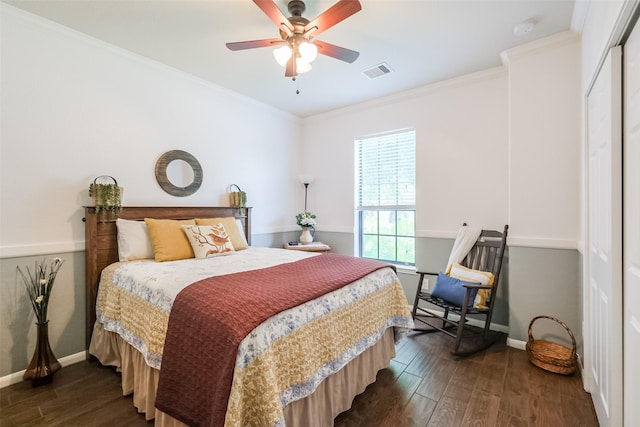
{"points": [[298, 360], [135, 297], [285, 357]]}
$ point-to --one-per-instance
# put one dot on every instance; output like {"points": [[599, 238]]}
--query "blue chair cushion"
{"points": [[452, 290]]}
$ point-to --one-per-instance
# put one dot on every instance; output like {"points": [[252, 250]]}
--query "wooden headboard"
{"points": [[101, 247]]}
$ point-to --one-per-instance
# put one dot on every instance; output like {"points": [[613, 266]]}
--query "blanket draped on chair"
{"points": [[465, 239]]}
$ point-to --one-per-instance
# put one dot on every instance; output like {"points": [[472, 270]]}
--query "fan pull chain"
{"points": [[297, 85]]}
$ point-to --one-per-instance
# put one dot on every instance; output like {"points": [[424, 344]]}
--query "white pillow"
{"points": [[209, 240], [133, 240], [241, 228]]}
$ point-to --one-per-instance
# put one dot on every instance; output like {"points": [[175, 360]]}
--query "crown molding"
{"points": [[528, 49], [484, 75], [579, 16]]}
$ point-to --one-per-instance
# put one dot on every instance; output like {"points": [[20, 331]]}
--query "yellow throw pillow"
{"points": [[208, 240], [469, 275], [238, 240], [169, 241]]}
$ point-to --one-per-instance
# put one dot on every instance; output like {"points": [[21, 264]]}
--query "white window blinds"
{"points": [[387, 171]]}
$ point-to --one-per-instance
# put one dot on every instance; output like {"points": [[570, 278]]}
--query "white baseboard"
{"points": [[16, 377], [520, 345]]}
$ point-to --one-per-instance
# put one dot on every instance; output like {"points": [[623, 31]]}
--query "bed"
{"points": [[301, 365]]}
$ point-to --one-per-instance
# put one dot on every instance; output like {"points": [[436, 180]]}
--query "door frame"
{"points": [[630, 226]]}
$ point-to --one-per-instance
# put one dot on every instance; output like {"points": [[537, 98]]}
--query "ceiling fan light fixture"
{"points": [[298, 34], [282, 55], [308, 51], [302, 66]]}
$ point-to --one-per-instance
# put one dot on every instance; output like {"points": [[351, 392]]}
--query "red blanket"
{"points": [[211, 317]]}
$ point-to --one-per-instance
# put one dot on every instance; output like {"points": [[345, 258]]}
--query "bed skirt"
{"points": [[333, 396]]}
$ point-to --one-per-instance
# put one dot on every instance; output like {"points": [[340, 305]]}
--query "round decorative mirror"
{"points": [[178, 173]]}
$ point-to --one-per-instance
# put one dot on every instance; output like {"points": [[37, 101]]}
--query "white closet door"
{"points": [[631, 230], [603, 343]]}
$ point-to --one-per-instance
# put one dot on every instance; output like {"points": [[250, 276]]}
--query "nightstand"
{"points": [[311, 247]]}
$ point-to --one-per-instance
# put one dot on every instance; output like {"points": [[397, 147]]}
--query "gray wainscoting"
{"points": [[545, 282], [534, 281], [274, 240]]}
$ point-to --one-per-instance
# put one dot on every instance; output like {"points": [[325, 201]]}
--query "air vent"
{"points": [[377, 71]]}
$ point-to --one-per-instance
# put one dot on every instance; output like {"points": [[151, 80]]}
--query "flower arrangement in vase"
{"points": [[307, 221], [39, 284]]}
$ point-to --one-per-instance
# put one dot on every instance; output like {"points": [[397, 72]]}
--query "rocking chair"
{"points": [[484, 257]]}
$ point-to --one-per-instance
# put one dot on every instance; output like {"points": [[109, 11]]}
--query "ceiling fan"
{"points": [[297, 44]]}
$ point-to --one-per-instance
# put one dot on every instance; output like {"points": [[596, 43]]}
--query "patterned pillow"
{"points": [[469, 275], [209, 240], [236, 234], [168, 239]]}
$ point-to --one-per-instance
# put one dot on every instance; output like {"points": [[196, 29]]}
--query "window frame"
{"points": [[402, 136]]}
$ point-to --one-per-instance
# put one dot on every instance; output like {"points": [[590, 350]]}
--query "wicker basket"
{"points": [[106, 197], [237, 199], [549, 355]]}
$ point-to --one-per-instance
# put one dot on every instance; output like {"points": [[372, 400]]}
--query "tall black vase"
{"points": [[43, 364]]}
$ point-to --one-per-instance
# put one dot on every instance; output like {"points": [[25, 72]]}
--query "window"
{"points": [[386, 196]]}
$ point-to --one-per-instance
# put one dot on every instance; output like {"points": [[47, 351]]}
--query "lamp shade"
{"points": [[282, 55], [302, 66], [308, 51], [305, 179]]}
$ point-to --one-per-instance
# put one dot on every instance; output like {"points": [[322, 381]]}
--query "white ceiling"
{"points": [[423, 41]]}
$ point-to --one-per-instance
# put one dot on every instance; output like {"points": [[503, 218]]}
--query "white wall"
{"points": [[74, 108], [461, 153], [495, 147], [544, 141]]}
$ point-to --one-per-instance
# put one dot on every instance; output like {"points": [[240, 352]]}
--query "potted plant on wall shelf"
{"points": [[106, 197]]}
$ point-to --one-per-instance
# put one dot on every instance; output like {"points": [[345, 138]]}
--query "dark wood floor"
{"points": [[424, 386]]}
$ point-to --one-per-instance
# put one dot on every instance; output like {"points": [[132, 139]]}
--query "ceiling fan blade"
{"points": [[341, 53], [252, 44], [330, 17], [275, 14], [291, 67]]}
